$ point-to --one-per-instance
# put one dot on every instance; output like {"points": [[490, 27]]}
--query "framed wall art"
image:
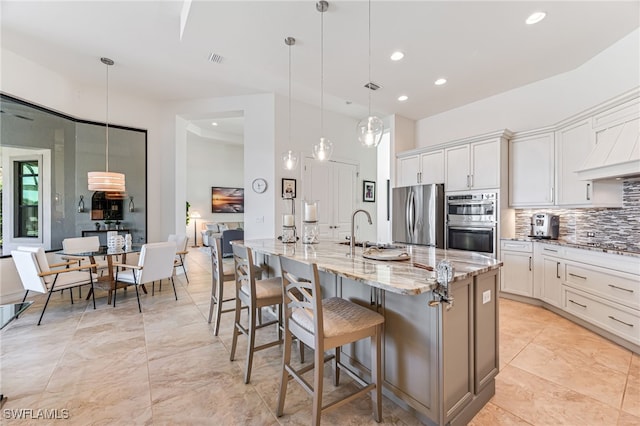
{"points": [[288, 188], [368, 191]]}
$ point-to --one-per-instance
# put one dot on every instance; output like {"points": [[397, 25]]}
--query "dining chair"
{"points": [[181, 242], [37, 274], [325, 324], [218, 277], [255, 294], [155, 263]]}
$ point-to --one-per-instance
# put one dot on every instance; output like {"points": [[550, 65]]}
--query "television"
{"points": [[227, 200]]}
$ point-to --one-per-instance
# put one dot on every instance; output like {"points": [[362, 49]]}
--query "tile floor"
{"points": [[165, 367]]}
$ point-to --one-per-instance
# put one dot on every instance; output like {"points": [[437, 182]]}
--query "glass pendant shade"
{"points": [[370, 131], [322, 151], [289, 160]]}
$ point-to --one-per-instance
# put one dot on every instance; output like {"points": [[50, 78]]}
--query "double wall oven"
{"points": [[472, 222]]}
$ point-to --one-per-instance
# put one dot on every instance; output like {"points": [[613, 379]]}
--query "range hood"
{"points": [[616, 154]]}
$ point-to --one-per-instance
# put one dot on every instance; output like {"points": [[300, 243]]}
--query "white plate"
{"points": [[374, 254]]}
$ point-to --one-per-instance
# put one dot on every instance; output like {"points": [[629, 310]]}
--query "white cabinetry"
{"points": [[602, 289], [517, 269], [605, 297], [424, 168], [574, 143], [548, 273], [532, 169], [476, 165]]}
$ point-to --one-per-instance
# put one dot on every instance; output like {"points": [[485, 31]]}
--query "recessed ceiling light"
{"points": [[396, 56], [214, 123], [403, 98], [440, 81], [535, 17]]}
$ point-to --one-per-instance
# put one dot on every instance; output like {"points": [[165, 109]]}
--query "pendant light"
{"points": [[370, 129], [289, 158], [107, 181], [322, 150]]}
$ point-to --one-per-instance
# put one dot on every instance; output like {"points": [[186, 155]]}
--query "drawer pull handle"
{"points": [[579, 304], [578, 276], [546, 249], [620, 288], [558, 270], [616, 319], [529, 262]]}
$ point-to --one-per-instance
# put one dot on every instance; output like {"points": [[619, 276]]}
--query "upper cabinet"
{"points": [[476, 165], [532, 171], [424, 168], [574, 143]]}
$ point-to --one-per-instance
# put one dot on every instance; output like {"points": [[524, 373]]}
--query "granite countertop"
{"points": [[397, 276], [603, 248]]}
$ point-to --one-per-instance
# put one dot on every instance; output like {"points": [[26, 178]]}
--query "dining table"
{"points": [[106, 281]]}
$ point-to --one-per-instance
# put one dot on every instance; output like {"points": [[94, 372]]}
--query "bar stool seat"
{"points": [[269, 290], [325, 324]]}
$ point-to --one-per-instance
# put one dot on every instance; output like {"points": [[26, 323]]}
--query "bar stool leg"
{"points": [[236, 331], [336, 369], [284, 378], [376, 374], [218, 309], [318, 373], [251, 342]]}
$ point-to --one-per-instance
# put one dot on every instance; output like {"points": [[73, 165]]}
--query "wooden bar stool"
{"points": [[218, 277], [254, 294], [324, 325]]}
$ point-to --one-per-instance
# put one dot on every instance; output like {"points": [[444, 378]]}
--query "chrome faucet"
{"points": [[352, 243]]}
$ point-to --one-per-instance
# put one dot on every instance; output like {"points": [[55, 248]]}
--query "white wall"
{"points": [[211, 163], [305, 132], [614, 71]]}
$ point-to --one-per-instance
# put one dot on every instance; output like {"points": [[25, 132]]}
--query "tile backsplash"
{"points": [[612, 226]]}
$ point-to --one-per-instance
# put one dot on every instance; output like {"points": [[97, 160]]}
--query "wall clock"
{"points": [[259, 185]]}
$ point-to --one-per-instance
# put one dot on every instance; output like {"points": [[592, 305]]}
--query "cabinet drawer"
{"points": [[617, 320], [615, 286], [522, 246]]}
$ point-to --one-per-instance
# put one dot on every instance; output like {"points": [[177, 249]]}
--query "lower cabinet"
{"points": [[436, 359], [602, 289], [548, 273], [621, 321], [517, 270]]}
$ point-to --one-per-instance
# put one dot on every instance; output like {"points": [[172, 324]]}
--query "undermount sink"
{"points": [[379, 246]]}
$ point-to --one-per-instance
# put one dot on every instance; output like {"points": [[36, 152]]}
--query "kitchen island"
{"points": [[439, 361]]}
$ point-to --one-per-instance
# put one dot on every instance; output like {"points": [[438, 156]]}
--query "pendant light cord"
{"points": [[107, 121], [290, 93], [321, 74], [370, 58]]}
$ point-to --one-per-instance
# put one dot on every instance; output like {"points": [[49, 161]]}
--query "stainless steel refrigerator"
{"points": [[418, 215]]}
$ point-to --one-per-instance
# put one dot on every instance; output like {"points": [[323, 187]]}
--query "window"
{"points": [[27, 194]]}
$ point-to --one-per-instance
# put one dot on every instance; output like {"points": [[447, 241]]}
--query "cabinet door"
{"points": [[531, 170], [333, 185], [457, 168], [410, 354], [485, 164], [517, 273], [432, 167], [408, 170], [552, 271], [574, 143]]}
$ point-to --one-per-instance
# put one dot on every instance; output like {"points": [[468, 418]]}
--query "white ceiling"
{"points": [[482, 48]]}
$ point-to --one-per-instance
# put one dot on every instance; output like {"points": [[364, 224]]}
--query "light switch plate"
{"points": [[486, 296]]}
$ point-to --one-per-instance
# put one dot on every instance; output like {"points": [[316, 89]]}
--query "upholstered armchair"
{"points": [[228, 236]]}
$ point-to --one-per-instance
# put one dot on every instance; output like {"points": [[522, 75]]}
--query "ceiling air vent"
{"points": [[215, 58], [371, 85]]}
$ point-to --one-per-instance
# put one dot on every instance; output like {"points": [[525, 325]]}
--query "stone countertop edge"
{"points": [[397, 276], [575, 245]]}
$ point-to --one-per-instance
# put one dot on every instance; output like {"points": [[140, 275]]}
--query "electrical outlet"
{"points": [[486, 296], [260, 219], [591, 234]]}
